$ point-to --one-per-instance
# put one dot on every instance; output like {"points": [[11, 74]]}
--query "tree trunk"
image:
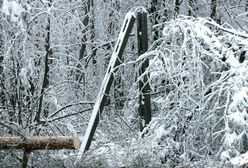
{"points": [[118, 82], [92, 34], [40, 143], [246, 6], [83, 50], [177, 7], [47, 62], [2, 97], [82, 53], [192, 8], [215, 12], [155, 18], [111, 31]]}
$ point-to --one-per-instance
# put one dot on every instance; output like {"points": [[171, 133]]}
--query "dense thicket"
{"points": [[53, 57]]}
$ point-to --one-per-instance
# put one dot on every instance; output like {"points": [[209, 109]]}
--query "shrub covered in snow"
{"points": [[202, 88]]}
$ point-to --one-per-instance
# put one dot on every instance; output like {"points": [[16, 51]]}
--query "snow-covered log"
{"points": [[40, 143]]}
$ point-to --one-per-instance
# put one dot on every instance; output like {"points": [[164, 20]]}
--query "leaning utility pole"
{"points": [[144, 109]]}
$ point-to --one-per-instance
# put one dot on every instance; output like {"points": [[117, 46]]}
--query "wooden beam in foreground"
{"points": [[40, 143]]}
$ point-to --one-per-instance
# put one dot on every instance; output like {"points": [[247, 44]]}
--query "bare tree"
{"points": [[47, 63], [2, 99], [155, 17]]}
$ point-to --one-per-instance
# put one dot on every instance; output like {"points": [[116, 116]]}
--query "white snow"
{"points": [[160, 132], [13, 9], [230, 139], [240, 160], [239, 96], [238, 118], [225, 155], [5, 7], [231, 60], [23, 77]]}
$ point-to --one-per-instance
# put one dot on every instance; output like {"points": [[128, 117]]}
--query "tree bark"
{"points": [[177, 7], [2, 99], [155, 18], [192, 8], [246, 6], [118, 82], [82, 53], [47, 63], [92, 34], [215, 13], [87, 5], [39, 143]]}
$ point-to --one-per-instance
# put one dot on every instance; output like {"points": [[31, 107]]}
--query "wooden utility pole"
{"points": [[144, 87], [145, 104]]}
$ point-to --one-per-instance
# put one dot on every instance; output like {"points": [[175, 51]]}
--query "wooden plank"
{"points": [[144, 87], [108, 80], [39, 143]]}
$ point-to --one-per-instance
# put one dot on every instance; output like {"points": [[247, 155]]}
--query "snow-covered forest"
{"points": [[177, 97]]}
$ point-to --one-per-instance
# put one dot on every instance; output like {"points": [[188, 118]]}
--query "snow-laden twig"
{"points": [[13, 129], [231, 31]]}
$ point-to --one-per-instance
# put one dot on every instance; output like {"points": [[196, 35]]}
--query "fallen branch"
{"points": [[69, 105], [233, 32]]}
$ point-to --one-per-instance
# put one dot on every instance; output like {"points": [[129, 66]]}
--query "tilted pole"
{"points": [[108, 80], [145, 103]]}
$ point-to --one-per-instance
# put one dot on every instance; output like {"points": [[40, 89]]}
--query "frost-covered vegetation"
{"points": [[199, 83], [54, 54]]}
